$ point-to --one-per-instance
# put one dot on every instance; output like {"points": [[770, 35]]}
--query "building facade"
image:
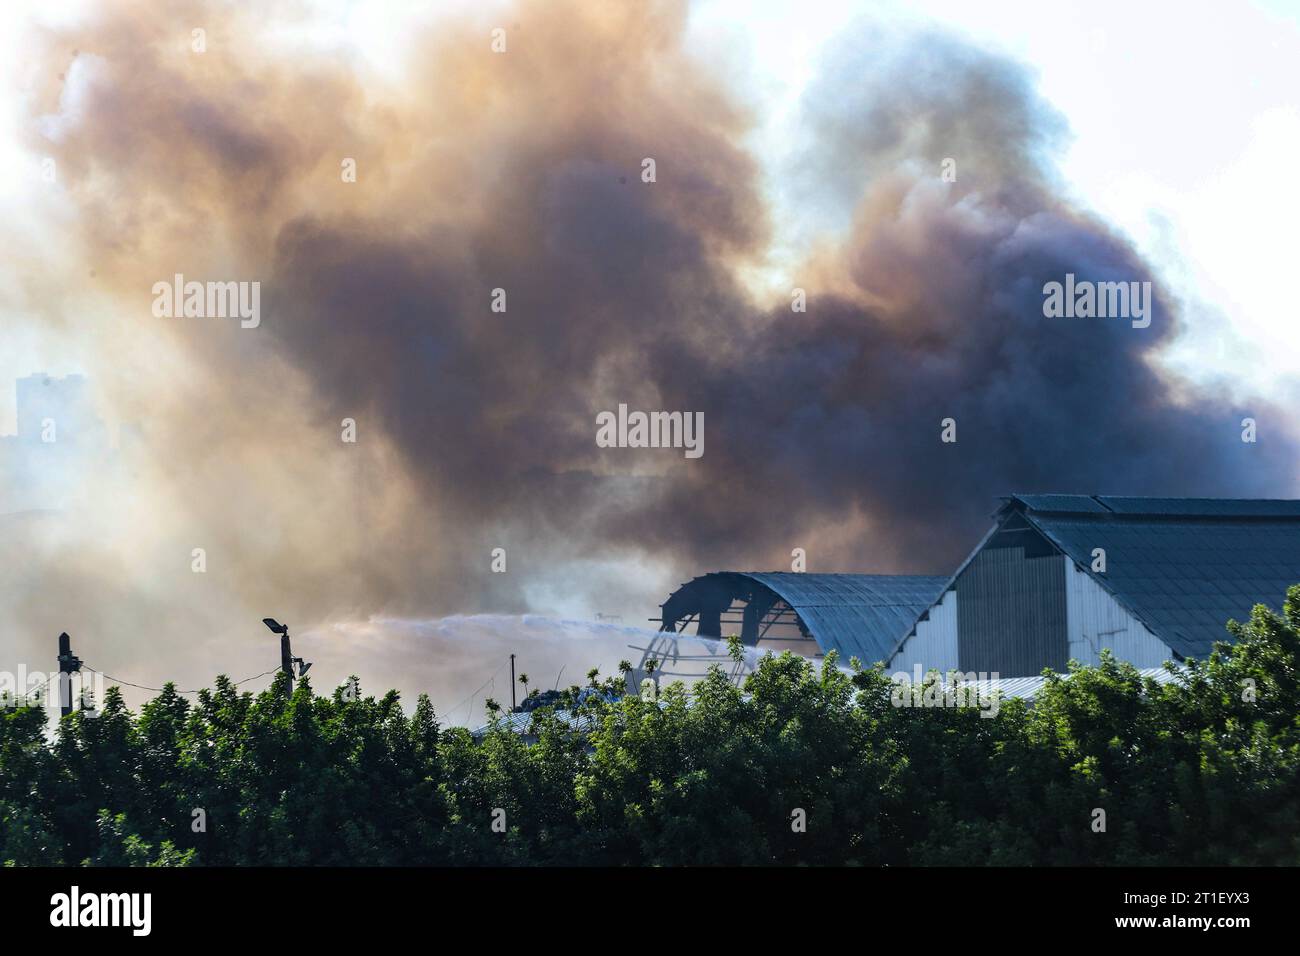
{"points": [[1064, 577]]}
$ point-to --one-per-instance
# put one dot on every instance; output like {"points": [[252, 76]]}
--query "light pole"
{"points": [[287, 660], [69, 664]]}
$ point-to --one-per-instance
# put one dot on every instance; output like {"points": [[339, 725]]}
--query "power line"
{"points": [[469, 699], [27, 695], [159, 690]]}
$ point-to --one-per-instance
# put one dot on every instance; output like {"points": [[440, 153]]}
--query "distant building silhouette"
{"points": [[64, 402], [60, 445]]}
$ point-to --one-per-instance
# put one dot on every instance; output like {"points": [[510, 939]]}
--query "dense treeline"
{"points": [[1197, 772]]}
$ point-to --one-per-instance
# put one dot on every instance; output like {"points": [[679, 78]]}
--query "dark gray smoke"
{"points": [[522, 171]]}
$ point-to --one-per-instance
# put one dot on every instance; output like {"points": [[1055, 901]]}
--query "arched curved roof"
{"points": [[859, 615]]}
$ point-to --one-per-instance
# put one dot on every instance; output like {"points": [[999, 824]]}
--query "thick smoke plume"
{"points": [[522, 171]]}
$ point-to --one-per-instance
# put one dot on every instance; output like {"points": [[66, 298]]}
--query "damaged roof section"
{"points": [[858, 615]]}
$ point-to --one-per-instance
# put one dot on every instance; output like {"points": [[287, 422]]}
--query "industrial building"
{"points": [[1057, 578]]}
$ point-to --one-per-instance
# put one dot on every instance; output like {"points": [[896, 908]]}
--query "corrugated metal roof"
{"points": [[1169, 507], [1026, 688], [1183, 566], [522, 722], [1070, 504], [859, 615], [1205, 507]]}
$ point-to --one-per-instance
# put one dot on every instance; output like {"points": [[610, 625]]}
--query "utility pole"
{"points": [[513, 705], [68, 665], [287, 660]]}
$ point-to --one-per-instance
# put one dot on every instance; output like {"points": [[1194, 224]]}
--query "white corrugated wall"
{"points": [[1095, 620], [933, 644]]}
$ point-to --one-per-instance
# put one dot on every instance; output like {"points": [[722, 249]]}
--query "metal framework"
{"points": [[860, 615]]}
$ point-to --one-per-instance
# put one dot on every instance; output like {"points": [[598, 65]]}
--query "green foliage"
{"points": [[1203, 770]]}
